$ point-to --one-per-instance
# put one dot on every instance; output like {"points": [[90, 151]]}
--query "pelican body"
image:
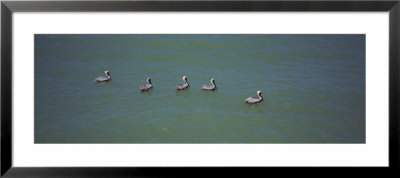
{"points": [[253, 100], [211, 87], [183, 86], [103, 78], [147, 86]]}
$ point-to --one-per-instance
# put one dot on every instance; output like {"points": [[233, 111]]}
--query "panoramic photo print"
{"points": [[199, 88]]}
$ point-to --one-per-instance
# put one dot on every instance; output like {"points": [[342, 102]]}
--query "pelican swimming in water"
{"points": [[183, 85], [209, 87], [102, 78], [253, 100], [146, 87]]}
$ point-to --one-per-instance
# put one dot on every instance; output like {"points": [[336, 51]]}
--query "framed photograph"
{"points": [[142, 88]]}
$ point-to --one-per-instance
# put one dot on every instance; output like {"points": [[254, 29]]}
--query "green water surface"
{"points": [[313, 88]]}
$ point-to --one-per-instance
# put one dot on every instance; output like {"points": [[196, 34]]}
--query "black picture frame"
{"points": [[8, 7]]}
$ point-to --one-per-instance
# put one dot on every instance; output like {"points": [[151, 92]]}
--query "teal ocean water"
{"points": [[313, 88]]}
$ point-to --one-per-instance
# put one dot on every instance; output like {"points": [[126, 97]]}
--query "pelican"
{"points": [[253, 100], [146, 87], [183, 86], [209, 87], [102, 78]]}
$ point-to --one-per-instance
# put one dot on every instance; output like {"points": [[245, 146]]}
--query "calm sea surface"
{"points": [[313, 88]]}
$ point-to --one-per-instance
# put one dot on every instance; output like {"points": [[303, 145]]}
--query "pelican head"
{"points": [[184, 78], [148, 79], [107, 72], [259, 92]]}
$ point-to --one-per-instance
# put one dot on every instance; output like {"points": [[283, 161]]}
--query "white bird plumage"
{"points": [[253, 100], [147, 86], [211, 87], [102, 78], [183, 86]]}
